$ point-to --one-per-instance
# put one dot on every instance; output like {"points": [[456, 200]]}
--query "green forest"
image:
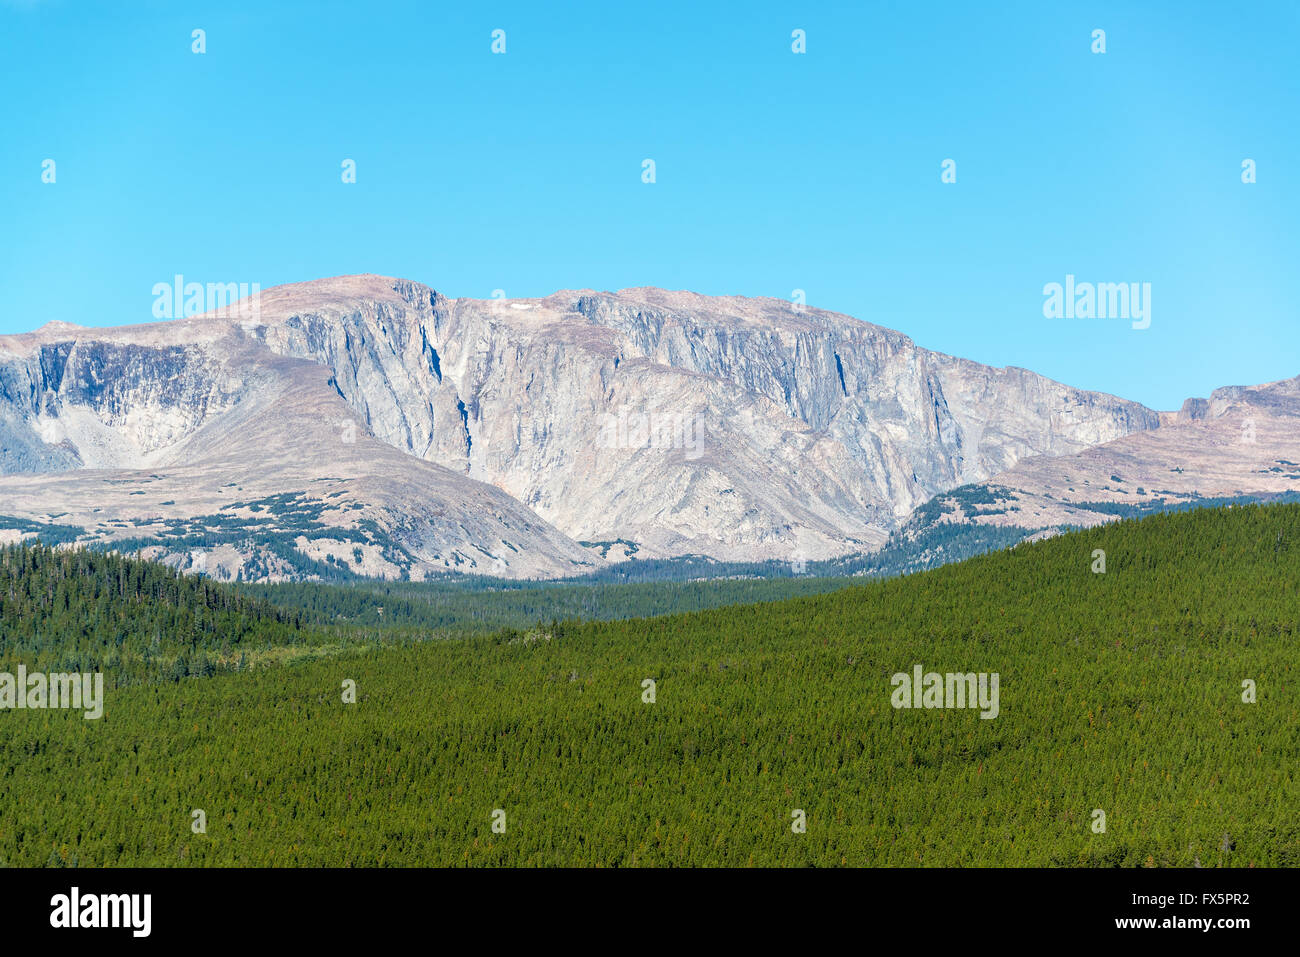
{"points": [[135, 621], [495, 603], [1159, 696]]}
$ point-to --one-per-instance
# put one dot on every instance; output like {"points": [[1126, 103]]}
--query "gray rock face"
{"points": [[1242, 441], [733, 427], [90, 403], [232, 460], [738, 428]]}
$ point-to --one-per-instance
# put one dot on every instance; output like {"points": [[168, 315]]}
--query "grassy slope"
{"points": [[1119, 691]]}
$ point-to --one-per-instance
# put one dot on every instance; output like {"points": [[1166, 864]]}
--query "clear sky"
{"points": [[775, 171]]}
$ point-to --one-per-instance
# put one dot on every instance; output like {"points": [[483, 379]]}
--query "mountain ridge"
{"points": [[643, 421]]}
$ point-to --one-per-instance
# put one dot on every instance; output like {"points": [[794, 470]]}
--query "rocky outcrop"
{"points": [[278, 480], [93, 403], [734, 427], [1241, 442]]}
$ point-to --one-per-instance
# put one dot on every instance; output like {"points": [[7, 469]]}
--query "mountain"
{"points": [[1243, 441], [206, 450], [368, 425]]}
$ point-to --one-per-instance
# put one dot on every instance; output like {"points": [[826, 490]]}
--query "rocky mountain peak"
{"points": [[735, 427]]}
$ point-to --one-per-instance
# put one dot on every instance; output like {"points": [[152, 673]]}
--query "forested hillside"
{"points": [[490, 604], [1121, 694], [78, 610]]}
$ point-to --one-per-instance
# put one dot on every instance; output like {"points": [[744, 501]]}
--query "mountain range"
{"points": [[371, 426]]}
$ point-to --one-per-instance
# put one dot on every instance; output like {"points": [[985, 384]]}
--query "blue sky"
{"points": [[774, 171]]}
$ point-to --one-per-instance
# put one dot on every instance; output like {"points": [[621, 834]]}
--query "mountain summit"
{"points": [[372, 425]]}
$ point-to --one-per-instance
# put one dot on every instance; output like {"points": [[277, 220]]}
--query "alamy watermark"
{"points": [[1103, 300], [129, 911], [931, 689], [653, 430], [79, 690], [233, 300]]}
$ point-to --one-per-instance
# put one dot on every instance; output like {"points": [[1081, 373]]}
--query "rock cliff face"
{"points": [[734, 427], [82, 402], [1241, 441]]}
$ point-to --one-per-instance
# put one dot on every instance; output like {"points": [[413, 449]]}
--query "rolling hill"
{"points": [[1158, 698]]}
